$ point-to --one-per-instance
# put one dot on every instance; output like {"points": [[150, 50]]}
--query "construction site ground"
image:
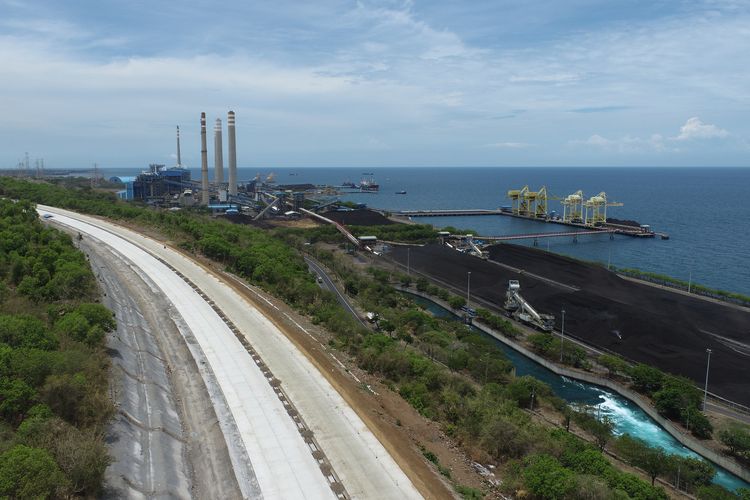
{"points": [[660, 327]]}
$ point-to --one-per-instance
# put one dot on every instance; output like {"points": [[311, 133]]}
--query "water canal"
{"points": [[627, 417]]}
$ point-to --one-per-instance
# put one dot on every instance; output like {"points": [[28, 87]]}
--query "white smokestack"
{"points": [[232, 150], [179, 160], [218, 154], [204, 162]]}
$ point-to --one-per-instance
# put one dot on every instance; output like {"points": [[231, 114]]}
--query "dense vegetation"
{"points": [[53, 371], [445, 371]]}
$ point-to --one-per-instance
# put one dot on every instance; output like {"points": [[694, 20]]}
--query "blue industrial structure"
{"points": [[157, 182]]}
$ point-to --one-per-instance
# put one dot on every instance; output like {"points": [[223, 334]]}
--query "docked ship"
{"points": [[368, 183]]}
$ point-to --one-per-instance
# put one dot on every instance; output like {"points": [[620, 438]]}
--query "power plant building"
{"points": [[157, 182]]}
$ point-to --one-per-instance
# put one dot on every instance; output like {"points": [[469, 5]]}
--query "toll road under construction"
{"points": [[290, 433]]}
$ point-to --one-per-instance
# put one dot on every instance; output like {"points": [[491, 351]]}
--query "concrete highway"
{"points": [[164, 439], [276, 451]]}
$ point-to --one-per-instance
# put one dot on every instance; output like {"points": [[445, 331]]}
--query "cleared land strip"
{"points": [[362, 463]]}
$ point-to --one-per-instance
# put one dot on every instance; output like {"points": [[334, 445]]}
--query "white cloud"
{"points": [[694, 128], [427, 87]]}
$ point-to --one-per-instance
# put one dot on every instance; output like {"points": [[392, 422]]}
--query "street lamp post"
{"points": [[705, 390], [468, 288], [408, 261], [562, 335]]}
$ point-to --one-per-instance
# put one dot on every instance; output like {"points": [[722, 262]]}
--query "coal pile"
{"points": [[623, 222], [643, 323], [359, 218]]}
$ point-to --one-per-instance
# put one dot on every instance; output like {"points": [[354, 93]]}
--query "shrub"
{"points": [[646, 379], [546, 478], [736, 438], [30, 473]]}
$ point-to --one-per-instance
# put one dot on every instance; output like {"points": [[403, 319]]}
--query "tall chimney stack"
{"points": [[179, 160], [204, 162], [232, 150], [218, 154]]}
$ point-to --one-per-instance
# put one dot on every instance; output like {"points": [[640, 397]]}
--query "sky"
{"points": [[368, 83]]}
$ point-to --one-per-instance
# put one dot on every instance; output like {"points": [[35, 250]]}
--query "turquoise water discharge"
{"points": [[628, 418]]}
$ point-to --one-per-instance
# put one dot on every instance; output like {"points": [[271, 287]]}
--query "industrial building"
{"points": [[158, 182]]}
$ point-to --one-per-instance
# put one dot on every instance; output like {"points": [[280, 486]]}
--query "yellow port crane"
{"points": [[518, 200], [530, 198], [542, 203], [596, 209], [573, 207], [530, 203]]}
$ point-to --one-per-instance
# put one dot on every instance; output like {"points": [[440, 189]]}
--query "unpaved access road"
{"points": [[257, 423]]}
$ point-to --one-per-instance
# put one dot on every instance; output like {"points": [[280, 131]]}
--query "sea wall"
{"points": [[685, 439]]}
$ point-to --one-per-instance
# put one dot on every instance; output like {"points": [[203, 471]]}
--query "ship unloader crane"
{"points": [[520, 309]]}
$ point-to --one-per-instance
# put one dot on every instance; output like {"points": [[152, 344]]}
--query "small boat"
{"points": [[403, 191]]}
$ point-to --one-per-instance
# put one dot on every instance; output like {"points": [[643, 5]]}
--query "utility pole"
{"points": [[705, 390], [468, 288], [562, 335], [408, 260]]}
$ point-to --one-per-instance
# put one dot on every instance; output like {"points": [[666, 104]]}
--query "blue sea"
{"points": [[702, 209]]}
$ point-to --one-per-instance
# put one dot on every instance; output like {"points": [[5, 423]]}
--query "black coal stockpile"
{"points": [[359, 218], [659, 327]]}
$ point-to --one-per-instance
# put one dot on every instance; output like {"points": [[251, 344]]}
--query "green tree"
{"points": [[700, 426], [646, 378], [614, 364], [456, 302], [81, 455], [25, 331], [30, 473], [690, 472], [547, 478], [714, 492], [523, 389], [601, 429], [16, 396], [98, 315], [654, 462], [737, 439], [676, 394]]}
